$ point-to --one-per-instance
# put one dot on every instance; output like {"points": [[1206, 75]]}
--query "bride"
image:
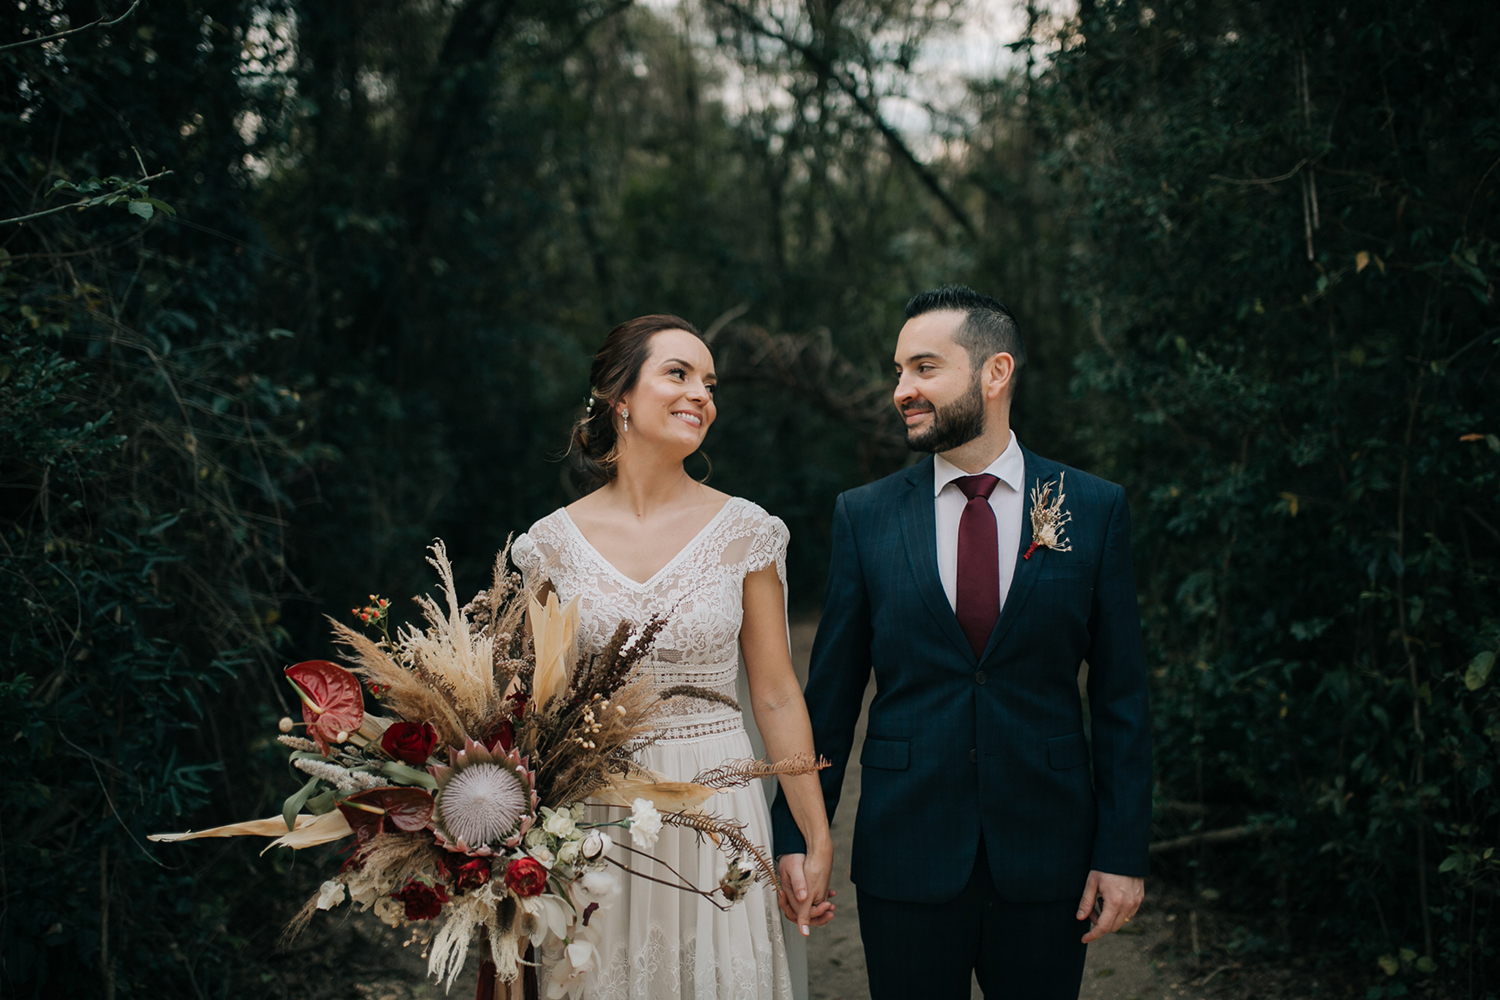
{"points": [[650, 540]]}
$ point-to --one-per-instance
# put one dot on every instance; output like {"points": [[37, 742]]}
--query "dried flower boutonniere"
{"points": [[1048, 518]]}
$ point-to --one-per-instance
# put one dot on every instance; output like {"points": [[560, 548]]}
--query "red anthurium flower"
{"points": [[409, 742], [377, 810], [331, 700]]}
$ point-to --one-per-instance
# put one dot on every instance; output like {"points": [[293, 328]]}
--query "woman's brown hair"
{"points": [[615, 371]]}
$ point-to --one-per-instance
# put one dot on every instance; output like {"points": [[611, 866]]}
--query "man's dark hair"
{"points": [[987, 330]]}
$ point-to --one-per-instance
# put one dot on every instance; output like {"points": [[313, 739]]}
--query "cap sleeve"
{"points": [[523, 552], [769, 547]]}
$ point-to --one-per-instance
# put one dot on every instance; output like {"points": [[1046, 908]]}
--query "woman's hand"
{"points": [[805, 898]]}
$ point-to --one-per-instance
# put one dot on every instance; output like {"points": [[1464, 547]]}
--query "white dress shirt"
{"points": [[1006, 501]]}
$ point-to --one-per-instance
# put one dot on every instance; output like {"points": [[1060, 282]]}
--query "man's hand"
{"points": [[804, 878], [1109, 901]]}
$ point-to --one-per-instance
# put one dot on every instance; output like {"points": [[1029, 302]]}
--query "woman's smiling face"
{"points": [[673, 400]]}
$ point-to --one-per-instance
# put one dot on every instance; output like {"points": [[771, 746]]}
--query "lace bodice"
{"points": [[700, 591]]}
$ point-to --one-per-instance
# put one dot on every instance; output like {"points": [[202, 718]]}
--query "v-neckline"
{"points": [[645, 584]]}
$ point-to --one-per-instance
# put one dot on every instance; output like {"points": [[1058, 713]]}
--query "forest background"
{"points": [[288, 288]]}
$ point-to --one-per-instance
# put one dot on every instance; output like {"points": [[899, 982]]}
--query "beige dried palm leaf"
{"points": [[667, 796], [274, 826], [554, 627]]}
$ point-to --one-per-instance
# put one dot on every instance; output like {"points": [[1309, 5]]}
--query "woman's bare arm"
{"points": [[781, 716]]}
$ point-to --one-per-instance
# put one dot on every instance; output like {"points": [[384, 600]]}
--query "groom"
{"points": [[974, 584]]}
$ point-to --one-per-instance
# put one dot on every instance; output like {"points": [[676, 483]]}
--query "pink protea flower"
{"points": [[485, 799]]}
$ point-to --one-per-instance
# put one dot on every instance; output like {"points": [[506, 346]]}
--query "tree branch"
{"points": [[825, 66], [101, 23], [1225, 836]]}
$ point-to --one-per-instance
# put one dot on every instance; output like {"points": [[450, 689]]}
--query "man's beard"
{"points": [[955, 424]]}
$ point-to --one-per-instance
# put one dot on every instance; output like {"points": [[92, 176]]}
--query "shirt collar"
{"points": [[1009, 468]]}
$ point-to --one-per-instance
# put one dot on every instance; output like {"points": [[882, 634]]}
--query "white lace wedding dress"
{"points": [[660, 943]]}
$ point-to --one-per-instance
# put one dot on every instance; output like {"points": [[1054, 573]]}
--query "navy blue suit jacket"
{"points": [[956, 745]]}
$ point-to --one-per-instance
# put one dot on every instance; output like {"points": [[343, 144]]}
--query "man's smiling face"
{"points": [[938, 390]]}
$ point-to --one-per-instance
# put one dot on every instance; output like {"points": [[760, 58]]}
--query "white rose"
{"points": [[595, 844], [579, 809], [568, 852], [645, 823], [560, 824], [536, 835], [330, 894]]}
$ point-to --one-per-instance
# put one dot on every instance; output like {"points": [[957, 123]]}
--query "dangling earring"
{"points": [[625, 416]]}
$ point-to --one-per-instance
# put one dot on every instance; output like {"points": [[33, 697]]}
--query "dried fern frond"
{"points": [[733, 831], [408, 694], [700, 693], [732, 774]]}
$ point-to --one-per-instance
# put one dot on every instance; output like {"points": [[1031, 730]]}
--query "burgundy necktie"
{"points": [[978, 562]]}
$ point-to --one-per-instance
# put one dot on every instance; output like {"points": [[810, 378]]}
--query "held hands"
{"points": [[1109, 901], [805, 898]]}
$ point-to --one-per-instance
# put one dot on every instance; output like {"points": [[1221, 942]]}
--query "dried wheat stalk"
{"points": [[449, 653], [700, 693], [408, 695]]}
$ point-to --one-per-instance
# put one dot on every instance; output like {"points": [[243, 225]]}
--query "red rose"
{"points": [[423, 901], [471, 875], [526, 877], [411, 742], [505, 736]]}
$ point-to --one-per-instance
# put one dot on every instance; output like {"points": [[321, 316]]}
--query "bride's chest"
{"points": [[700, 596]]}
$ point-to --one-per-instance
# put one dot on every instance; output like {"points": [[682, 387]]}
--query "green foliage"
{"points": [[1301, 370], [355, 307], [144, 465]]}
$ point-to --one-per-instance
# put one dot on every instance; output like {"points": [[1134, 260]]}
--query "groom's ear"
{"points": [[998, 376]]}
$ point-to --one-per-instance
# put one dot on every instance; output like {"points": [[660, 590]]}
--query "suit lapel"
{"points": [[1036, 470], [919, 532]]}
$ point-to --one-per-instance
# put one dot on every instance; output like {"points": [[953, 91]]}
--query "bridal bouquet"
{"points": [[464, 797]]}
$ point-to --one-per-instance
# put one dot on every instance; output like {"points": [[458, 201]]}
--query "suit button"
{"points": [[979, 677], [973, 756]]}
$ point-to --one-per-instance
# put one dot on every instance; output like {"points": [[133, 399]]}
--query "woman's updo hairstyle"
{"points": [[616, 370]]}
